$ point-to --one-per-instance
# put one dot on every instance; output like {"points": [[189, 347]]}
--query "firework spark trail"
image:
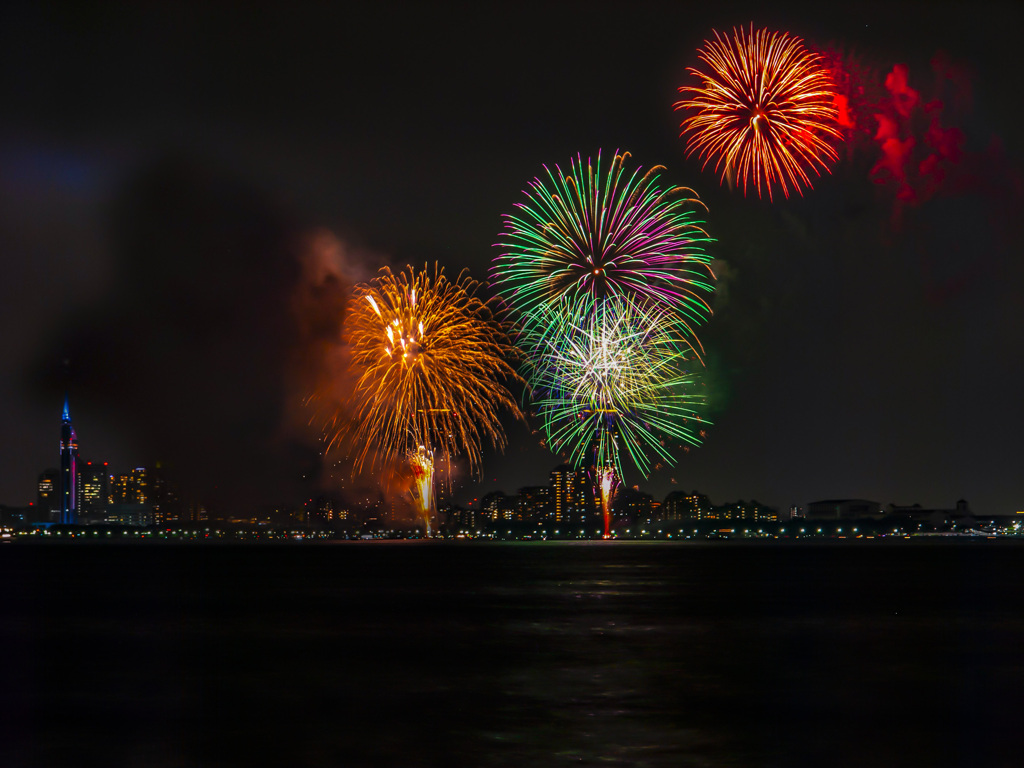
{"points": [[615, 375], [765, 108], [422, 462], [606, 491], [432, 366], [583, 236]]}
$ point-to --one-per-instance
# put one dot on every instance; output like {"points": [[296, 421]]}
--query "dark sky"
{"points": [[170, 173]]}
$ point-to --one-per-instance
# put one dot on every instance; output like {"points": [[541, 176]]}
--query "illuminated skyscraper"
{"points": [[121, 489], [497, 507], [680, 505], [532, 503], [142, 486], [48, 500], [68, 470], [94, 487], [132, 488], [564, 494], [148, 487]]}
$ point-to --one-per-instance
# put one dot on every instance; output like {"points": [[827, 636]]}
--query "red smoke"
{"points": [[853, 105], [904, 98], [895, 155], [845, 114], [927, 158], [922, 152]]}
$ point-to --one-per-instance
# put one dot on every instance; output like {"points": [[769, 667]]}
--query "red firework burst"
{"points": [[765, 108]]}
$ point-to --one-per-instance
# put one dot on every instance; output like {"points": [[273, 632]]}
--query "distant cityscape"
{"points": [[80, 498]]}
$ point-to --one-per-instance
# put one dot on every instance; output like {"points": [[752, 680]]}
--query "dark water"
{"points": [[592, 654]]}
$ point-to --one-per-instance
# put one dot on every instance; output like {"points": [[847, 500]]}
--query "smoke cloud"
{"points": [[225, 314]]}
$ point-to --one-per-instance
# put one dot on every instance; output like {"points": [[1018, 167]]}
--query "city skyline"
{"points": [[86, 494], [165, 223]]}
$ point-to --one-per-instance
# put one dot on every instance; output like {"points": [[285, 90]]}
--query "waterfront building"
{"points": [[94, 487], [843, 509], [458, 519], [163, 496], [149, 487], [498, 507], [749, 511], [321, 510], [564, 494], [194, 512], [683, 505], [121, 489], [48, 497], [634, 505], [915, 513], [130, 514], [532, 503], [572, 497]]}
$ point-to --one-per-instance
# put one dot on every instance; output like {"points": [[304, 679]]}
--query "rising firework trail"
{"points": [[583, 236], [605, 488], [422, 462], [764, 111], [431, 366]]}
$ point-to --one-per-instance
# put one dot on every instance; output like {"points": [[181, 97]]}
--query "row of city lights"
{"points": [[8, 533]]}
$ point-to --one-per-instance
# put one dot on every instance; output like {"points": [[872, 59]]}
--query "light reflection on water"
{"points": [[510, 655]]}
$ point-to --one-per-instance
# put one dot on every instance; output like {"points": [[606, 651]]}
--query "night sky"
{"points": [[186, 193]]}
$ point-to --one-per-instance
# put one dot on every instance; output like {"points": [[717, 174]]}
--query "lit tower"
{"points": [[68, 469]]}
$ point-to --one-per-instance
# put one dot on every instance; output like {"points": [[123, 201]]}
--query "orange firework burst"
{"points": [[765, 108], [431, 366]]}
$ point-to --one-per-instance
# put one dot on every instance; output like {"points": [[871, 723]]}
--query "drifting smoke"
{"points": [[849, 76], [917, 136], [901, 131], [223, 316], [923, 147], [934, 163]]}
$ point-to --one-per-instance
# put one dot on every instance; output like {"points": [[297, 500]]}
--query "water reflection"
{"points": [[511, 655]]}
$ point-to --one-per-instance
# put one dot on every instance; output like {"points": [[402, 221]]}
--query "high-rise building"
{"points": [[136, 487], [573, 498], [194, 512], [141, 485], [680, 505], [532, 503], [162, 494], [565, 494], [742, 510], [148, 486], [322, 510], [48, 499], [68, 469], [94, 486], [634, 505], [498, 507], [121, 490]]}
